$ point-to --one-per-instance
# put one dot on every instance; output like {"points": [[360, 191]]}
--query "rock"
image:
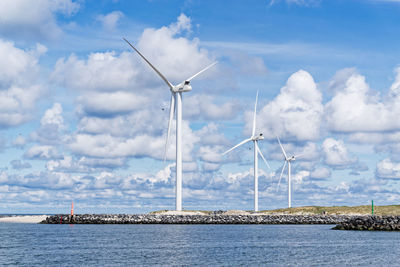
{"points": [[370, 223], [212, 218]]}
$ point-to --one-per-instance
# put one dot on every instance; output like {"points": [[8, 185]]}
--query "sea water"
{"points": [[194, 245]]}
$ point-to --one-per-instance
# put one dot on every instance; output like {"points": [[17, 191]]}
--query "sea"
{"points": [[194, 245]]}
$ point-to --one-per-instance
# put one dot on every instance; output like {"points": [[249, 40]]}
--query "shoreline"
{"points": [[23, 218]]}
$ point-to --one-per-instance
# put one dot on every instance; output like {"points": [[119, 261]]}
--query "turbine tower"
{"points": [[288, 160], [176, 104], [255, 138]]}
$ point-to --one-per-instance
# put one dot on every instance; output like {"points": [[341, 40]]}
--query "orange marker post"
{"points": [[72, 209]]}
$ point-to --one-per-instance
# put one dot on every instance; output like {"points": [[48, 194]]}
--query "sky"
{"points": [[84, 119]]}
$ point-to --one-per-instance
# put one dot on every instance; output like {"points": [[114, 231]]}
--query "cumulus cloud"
{"points": [[110, 20], [355, 108], [336, 154], [201, 106], [33, 19], [108, 104], [42, 152], [321, 173], [19, 85], [178, 58], [388, 169], [85, 164], [295, 113], [51, 126], [117, 119], [100, 72]]}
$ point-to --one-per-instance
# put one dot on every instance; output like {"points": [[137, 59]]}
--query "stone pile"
{"points": [[213, 218], [370, 223]]}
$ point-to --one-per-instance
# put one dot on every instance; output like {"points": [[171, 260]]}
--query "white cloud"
{"points": [[356, 108], [146, 120], [52, 126], [110, 20], [294, 114], [20, 141], [388, 169], [19, 86], [111, 103], [178, 58], [53, 116], [299, 176], [201, 106], [321, 173], [103, 145], [336, 154], [42, 152], [33, 19], [100, 72]]}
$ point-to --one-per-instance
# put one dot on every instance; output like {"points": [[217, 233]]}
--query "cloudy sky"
{"points": [[84, 119]]}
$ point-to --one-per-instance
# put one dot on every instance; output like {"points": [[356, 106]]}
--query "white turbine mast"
{"points": [[175, 105], [288, 160], [255, 138]]}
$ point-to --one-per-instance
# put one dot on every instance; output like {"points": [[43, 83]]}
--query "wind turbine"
{"points": [[176, 104], [288, 160], [255, 138]]}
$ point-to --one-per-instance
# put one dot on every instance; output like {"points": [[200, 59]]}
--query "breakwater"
{"points": [[370, 223], [194, 219]]}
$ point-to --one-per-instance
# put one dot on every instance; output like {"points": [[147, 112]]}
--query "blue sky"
{"points": [[83, 119]]}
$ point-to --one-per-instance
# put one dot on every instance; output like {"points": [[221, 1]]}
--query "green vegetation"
{"points": [[205, 212], [335, 210], [366, 209]]}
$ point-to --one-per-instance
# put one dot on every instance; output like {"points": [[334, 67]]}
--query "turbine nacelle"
{"points": [[182, 87], [259, 137], [292, 158]]}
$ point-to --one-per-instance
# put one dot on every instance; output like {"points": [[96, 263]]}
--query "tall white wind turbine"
{"points": [[176, 104], [255, 138], [288, 160]]}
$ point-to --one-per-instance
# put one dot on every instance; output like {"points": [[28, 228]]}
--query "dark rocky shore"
{"points": [[194, 219], [370, 223]]}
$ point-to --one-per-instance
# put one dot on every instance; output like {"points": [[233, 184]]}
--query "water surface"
{"points": [[202, 245]]}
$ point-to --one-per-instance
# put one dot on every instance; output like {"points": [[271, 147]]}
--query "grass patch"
{"points": [[336, 210]]}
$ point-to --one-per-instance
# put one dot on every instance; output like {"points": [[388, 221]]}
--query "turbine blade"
{"points": [[171, 116], [283, 168], [283, 150], [203, 70], [148, 62], [241, 143], [254, 116], [262, 156]]}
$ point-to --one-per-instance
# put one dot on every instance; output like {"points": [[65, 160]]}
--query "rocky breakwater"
{"points": [[194, 219], [370, 223]]}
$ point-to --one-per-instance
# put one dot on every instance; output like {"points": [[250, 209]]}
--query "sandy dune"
{"points": [[23, 219]]}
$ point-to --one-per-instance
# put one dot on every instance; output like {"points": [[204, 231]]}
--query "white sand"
{"points": [[23, 219]]}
